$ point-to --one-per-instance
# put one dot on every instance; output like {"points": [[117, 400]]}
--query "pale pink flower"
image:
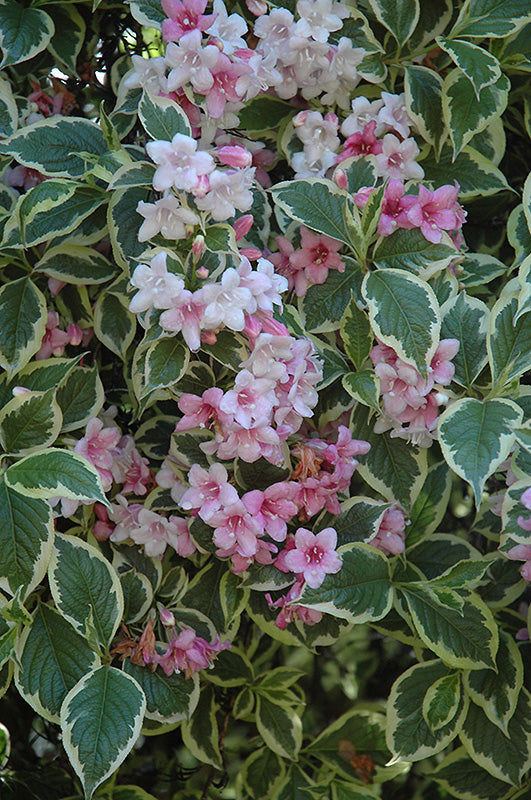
{"points": [[187, 652], [200, 412], [97, 446], [397, 159], [390, 538], [129, 467], [393, 115], [441, 369], [319, 18], [167, 479], [275, 29], [314, 555], [184, 17], [166, 216], [251, 401], [185, 314], [225, 89], [289, 610], [317, 255], [179, 162], [225, 302], [228, 29], [148, 74], [522, 552], [263, 283], [191, 63], [229, 191], [209, 491], [363, 112], [273, 507], [235, 531], [54, 340], [157, 287], [178, 536]]}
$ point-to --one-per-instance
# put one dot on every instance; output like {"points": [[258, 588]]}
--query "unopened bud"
{"points": [[166, 617], [75, 333], [234, 156], [19, 390], [340, 178], [242, 226], [202, 273], [256, 7], [300, 118], [202, 186], [333, 118], [198, 246], [208, 337], [253, 326], [252, 253]]}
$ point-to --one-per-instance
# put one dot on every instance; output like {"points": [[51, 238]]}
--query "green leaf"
{"points": [[430, 506], [124, 224], [8, 118], [356, 333], [85, 587], [69, 35], [114, 324], [508, 341], [318, 204], [404, 314], [80, 397], [491, 18], [476, 437], [264, 113], [29, 422], [162, 117], [56, 207], [24, 32], [138, 595], [148, 12], [140, 173], [360, 592], [323, 305], [359, 520], [505, 756], [465, 113], [467, 319], [279, 726], [26, 539], [524, 279], [497, 692], [398, 16], [101, 719], [438, 553], [22, 322], [410, 250], [169, 698], [73, 263], [408, 734], [441, 701], [480, 67], [393, 467], [52, 659], [166, 363], [465, 638], [52, 145], [478, 177], [262, 773], [56, 472], [201, 734], [423, 93], [364, 387], [479, 269], [231, 668], [464, 779]]}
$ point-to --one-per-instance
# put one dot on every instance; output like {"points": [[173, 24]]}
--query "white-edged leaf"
{"points": [[262, 773], [491, 18], [466, 780], [477, 175], [26, 539], [8, 111], [24, 32], [22, 322], [364, 387], [52, 658], [360, 592], [467, 319], [423, 93], [85, 588], [477, 436], [441, 701], [201, 733], [398, 16], [430, 506], [166, 363], [508, 341], [162, 117], [404, 314], [410, 250], [101, 718], [30, 421], [480, 67], [356, 334], [76, 264], [56, 472], [279, 726], [169, 698], [465, 113]]}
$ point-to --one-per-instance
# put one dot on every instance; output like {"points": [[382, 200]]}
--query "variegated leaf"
{"points": [[29, 422], [22, 322], [24, 32], [56, 472]]}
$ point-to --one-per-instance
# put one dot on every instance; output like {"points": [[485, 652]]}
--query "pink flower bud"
{"points": [[202, 186], [19, 390], [75, 333], [234, 156], [273, 326], [198, 246], [166, 617], [252, 253], [202, 273], [256, 7], [330, 117], [340, 178], [55, 286], [208, 337], [253, 326], [243, 225], [300, 118]]}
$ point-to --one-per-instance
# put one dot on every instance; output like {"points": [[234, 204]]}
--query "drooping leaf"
{"points": [[56, 472], [24, 32], [22, 321]]}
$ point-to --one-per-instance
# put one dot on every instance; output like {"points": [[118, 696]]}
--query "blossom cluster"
{"points": [[522, 552]]}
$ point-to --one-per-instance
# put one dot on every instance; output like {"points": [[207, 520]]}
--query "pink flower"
{"points": [[187, 652], [314, 555], [185, 314], [191, 63], [273, 507], [184, 16], [157, 287], [318, 254], [54, 340], [236, 531], [251, 401], [397, 159], [178, 536], [199, 412], [436, 211], [391, 533], [97, 446], [179, 162], [361, 144], [522, 552], [209, 491], [394, 208], [224, 89], [441, 370], [129, 467]]}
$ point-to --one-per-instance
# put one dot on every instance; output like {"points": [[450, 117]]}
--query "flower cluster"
{"points": [[408, 398], [522, 552]]}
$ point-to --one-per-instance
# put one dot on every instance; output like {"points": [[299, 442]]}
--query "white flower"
{"points": [[228, 30], [156, 285], [393, 115], [147, 73], [343, 76], [191, 63], [179, 163], [363, 112], [318, 18], [226, 302], [229, 190], [397, 159], [165, 216]]}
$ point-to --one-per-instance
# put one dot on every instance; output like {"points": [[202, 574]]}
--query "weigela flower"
{"points": [[390, 538], [209, 491], [314, 555], [156, 285], [180, 164], [192, 63], [187, 652], [397, 159], [436, 211], [184, 17], [166, 216], [97, 446]]}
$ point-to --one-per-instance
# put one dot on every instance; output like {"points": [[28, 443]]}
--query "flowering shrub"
{"points": [[266, 424]]}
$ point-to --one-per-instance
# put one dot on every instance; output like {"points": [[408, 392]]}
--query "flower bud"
{"points": [[167, 618], [198, 246], [243, 225], [202, 273], [234, 156], [340, 178]]}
